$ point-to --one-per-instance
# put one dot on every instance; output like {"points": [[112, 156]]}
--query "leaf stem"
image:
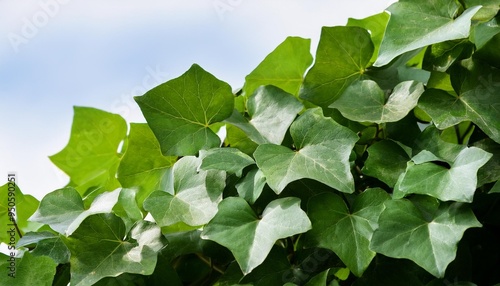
{"points": [[209, 263]]}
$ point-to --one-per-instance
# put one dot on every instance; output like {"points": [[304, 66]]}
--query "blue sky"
{"points": [[55, 54]]}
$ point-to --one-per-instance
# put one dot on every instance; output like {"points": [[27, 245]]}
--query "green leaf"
{"points": [[143, 167], [127, 207], [490, 172], [457, 183], [28, 270], [376, 25], [386, 161], [249, 238], [284, 67], [484, 32], [16, 208], [100, 248], [428, 238], [191, 197], [47, 244], [323, 150], [90, 158], [230, 160], [365, 101], [63, 209], [343, 55], [488, 10], [477, 86], [181, 111], [346, 232], [250, 187], [272, 110], [415, 24]]}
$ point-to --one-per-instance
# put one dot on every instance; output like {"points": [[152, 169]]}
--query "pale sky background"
{"points": [[55, 54]]}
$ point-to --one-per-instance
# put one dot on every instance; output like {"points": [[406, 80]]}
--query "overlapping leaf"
{"points": [[272, 110], [230, 160], [100, 248], [427, 235], [90, 158], [28, 270], [191, 197], [47, 244], [284, 67], [249, 238], [415, 24], [323, 150], [250, 187], [365, 101], [16, 208], [181, 111], [343, 55], [63, 209], [143, 167], [346, 232], [386, 161]]}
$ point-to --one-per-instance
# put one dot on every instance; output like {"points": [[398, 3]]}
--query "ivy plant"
{"points": [[376, 162]]}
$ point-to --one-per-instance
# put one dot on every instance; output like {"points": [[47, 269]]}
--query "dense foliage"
{"points": [[377, 165]]}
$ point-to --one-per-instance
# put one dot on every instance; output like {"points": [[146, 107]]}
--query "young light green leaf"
{"points": [[343, 55], [28, 270], [415, 24], [99, 248], [365, 101], [90, 158], [16, 208], [386, 161], [323, 150], [284, 67], [143, 167], [458, 183], [250, 187], [230, 160], [192, 196], [376, 25], [249, 238], [346, 232], [181, 111], [63, 209], [429, 239], [272, 110]]}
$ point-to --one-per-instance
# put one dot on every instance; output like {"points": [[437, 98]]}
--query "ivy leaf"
{"points": [[490, 172], [414, 24], [477, 86], [250, 187], [348, 50], [63, 209], [346, 232], [16, 208], [249, 238], [323, 150], [231, 160], [47, 244], [191, 197], [284, 67], [28, 270], [100, 248], [365, 101], [272, 110], [429, 238], [457, 183], [386, 161], [90, 158], [181, 111], [376, 25], [143, 167]]}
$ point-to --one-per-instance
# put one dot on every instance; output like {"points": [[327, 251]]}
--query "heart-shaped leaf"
{"points": [[323, 150], [181, 111], [365, 101], [249, 238], [191, 197], [343, 55], [346, 232], [428, 237]]}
